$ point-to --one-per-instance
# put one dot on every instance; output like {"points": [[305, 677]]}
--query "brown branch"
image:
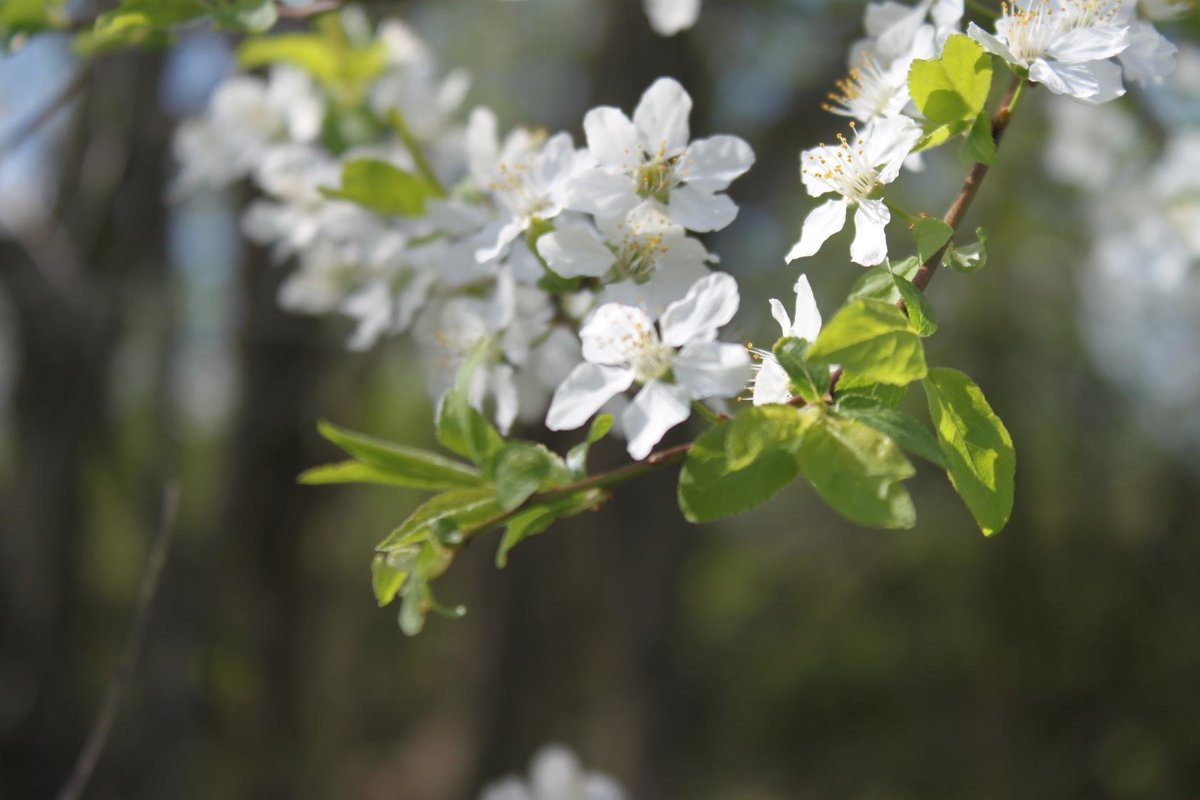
{"points": [[958, 209], [65, 95], [97, 738]]}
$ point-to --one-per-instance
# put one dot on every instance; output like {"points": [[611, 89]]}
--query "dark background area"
{"points": [[782, 654]]}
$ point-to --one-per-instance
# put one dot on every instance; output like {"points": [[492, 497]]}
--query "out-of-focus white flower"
{"points": [[555, 774], [621, 346], [650, 158], [771, 383], [877, 85], [247, 116], [528, 177], [669, 17], [509, 323], [855, 171]]}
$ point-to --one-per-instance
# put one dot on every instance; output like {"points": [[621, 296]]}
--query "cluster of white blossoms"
{"points": [[1078, 48], [555, 774], [572, 275], [528, 240], [1140, 280]]}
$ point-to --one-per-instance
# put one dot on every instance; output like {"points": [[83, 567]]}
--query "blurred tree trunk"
{"points": [[263, 523], [71, 285]]}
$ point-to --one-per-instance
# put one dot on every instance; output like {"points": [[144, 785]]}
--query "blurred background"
{"points": [[782, 654]]}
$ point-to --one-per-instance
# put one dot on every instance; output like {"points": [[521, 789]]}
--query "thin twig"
{"points": [[35, 123], [97, 738], [958, 209]]}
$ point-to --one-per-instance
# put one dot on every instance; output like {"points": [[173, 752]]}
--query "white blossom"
{"points": [[877, 85], [855, 171], [555, 774], [1066, 45], [247, 116], [674, 364], [508, 324], [669, 17], [528, 177], [644, 258], [771, 383], [650, 158]]}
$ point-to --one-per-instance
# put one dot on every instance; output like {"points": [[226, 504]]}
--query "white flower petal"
{"points": [[656, 409], [991, 43], [611, 136], [781, 316], [709, 304], [1150, 57], [822, 222], [583, 393], [887, 142], [555, 773], [504, 389], [807, 322], [771, 383], [1094, 82], [1093, 43], [870, 239], [713, 369], [699, 210], [669, 17], [574, 250], [616, 334], [662, 117], [603, 193], [716, 161]]}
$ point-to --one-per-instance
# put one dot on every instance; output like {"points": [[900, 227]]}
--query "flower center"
{"points": [[652, 362], [637, 257], [520, 192], [865, 92], [848, 169], [656, 178]]}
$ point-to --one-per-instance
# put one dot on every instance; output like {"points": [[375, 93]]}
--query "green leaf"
{"points": [[466, 509], [30, 16], [522, 468], [953, 87], [710, 489], [980, 144], [976, 444], [386, 579], [463, 430], [352, 472], [931, 234], [138, 22], [853, 392], [537, 518], [251, 16], [810, 382], [877, 283], [857, 471], [972, 257], [327, 58], [904, 429], [874, 341], [403, 466], [757, 429], [383, 188], [577, 455], [937, 134], [920, 310]]}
